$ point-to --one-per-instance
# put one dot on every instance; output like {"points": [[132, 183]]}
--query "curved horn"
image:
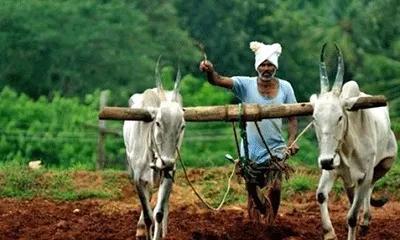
{"points": [[323, 75], [177, 83], [337, 86], [160, 89]]}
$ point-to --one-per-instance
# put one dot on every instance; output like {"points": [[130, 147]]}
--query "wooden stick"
{"points": [[251, 112]]}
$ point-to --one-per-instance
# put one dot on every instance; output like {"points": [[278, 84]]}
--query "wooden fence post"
{"points": [[102, 133]]}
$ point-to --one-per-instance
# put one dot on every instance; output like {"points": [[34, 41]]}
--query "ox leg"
{"points": [[350, 193], [146, 214], [165, 219], [324, 187], [379, 171], [382, 168], [141, 228], [361, 192], [366, 217], [348, 184], [162, 207]]}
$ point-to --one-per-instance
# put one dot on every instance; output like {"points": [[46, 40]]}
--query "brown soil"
{"points": [[298, 218]]}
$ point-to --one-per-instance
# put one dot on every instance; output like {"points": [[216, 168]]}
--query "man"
{"points": [[262, 89]]}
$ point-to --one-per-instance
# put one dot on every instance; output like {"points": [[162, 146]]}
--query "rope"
{"points": [[236, 139], [198, 195], [243, 135], [263, 140], [286, 156], [302, 132], [273, 158]]}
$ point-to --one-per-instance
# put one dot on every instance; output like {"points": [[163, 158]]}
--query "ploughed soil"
{"points": [[298, 218]]}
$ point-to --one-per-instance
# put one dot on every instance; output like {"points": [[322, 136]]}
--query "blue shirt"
{"points": [[245, 89]]}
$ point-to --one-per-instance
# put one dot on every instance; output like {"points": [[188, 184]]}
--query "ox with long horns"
{"points": [[357, 146], [151, 149]]}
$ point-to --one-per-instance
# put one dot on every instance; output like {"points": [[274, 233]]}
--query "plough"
{"points": [[234, 113]]}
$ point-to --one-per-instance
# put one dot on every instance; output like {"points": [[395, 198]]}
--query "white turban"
{"points": [[266, 52]]}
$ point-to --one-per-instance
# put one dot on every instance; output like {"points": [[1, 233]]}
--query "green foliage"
{"points": [[205, 144], [57, 132], [75, 47], [220, 26], [53, 49], [198, 92], [301, 28]]}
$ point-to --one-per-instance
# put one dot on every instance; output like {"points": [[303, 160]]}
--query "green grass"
{"points": [[18, 181], [22, 182]]}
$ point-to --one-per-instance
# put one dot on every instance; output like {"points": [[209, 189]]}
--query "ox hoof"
{"points": [[379, 202], [330, 236], [141, 234]]}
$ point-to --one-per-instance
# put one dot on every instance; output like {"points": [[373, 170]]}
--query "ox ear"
{"points": [[131, 101], [135, 99], [313, 99], [348, 103]]}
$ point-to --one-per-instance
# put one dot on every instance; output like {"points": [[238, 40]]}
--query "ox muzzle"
{"points": [[329, 162], [163, 163], [326, 163]]}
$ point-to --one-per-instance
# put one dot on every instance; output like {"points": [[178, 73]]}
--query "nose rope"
{"points": [[340, 140], [337, 150], [157, 150]]}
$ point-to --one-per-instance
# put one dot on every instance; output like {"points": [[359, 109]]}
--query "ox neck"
{"points": [[153, 144], [345, 130]]}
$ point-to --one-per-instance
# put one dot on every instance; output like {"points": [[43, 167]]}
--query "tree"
{"points": [[77, 46]]}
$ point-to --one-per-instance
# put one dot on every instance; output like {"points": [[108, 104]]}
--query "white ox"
{"points": [[151, 152], [357, 146]]}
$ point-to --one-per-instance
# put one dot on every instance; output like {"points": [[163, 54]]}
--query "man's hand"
{"points": [[206, 66], [213, 77], [292, 149]]}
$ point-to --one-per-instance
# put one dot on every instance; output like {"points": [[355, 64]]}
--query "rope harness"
{"points": [[256, 173]]}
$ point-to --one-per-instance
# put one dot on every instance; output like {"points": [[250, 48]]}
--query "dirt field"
{"points": [[91, 219], [100, 219]]}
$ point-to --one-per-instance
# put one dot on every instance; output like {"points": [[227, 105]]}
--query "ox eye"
{"points": [[158, 124], [340, 118]]}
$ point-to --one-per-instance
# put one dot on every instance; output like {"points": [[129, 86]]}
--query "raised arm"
{"points": [[213, 77]]}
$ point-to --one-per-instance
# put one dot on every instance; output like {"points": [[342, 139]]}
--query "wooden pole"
{"points": [[249, 112], [102, 134]]}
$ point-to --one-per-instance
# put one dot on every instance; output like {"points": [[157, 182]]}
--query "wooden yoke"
{"points": [[251, 112]]}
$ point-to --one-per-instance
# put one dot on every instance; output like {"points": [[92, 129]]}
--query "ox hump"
{"points": [[350, 89]]}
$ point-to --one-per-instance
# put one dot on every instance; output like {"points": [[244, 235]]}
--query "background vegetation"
{"points": [[56, 57]]}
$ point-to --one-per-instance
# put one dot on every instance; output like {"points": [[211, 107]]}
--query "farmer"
{"points": [[265, 88]]}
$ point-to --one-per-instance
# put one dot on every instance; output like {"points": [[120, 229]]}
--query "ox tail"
{"points": [[379, 202]]}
